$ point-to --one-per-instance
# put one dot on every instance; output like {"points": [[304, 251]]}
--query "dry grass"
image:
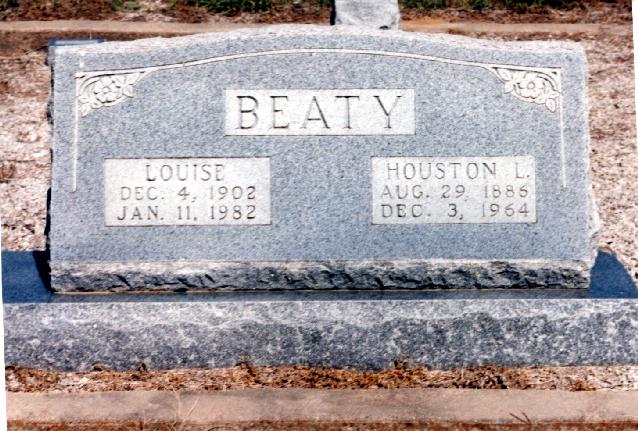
{"points": [[24, 150], [245, 376], [306, 11], [310, 426]]}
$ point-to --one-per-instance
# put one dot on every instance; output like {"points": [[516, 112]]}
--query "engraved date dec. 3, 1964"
{"points": [[415, 190]]}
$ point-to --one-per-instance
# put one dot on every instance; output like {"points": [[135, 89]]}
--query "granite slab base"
{"points": [[354, 329]]}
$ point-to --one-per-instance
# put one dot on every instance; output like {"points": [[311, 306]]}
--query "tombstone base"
{"points": [[371, 275], [357, 329]]}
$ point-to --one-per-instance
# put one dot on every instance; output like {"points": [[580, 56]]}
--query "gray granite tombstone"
{"points": [[303, 157]]}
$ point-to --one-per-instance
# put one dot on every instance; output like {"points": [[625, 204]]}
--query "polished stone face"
{"points": [[321, 145]]}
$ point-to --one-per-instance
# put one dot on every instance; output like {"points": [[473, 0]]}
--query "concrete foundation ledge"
{"points": [[333, 406]]}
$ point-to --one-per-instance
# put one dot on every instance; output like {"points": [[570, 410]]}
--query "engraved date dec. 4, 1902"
{"points": [[187, 191]]}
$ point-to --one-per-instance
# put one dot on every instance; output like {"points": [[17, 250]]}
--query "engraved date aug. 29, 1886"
{"points": [[416, 190]]}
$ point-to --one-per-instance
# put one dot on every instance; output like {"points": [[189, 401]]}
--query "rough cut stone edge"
{"points": [[360, 334], [370, 275]]}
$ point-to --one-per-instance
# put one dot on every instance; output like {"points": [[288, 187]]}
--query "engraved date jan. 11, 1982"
{"points": [[187, 191]]}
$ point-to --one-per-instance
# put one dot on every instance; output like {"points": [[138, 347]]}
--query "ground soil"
{"points": [[309, 426], [245, 376], [302, 12], [588, 12]]}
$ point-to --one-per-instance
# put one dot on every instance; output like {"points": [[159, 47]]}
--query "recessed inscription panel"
{"points": [[415, 190], [320, 112], [187, 191]]}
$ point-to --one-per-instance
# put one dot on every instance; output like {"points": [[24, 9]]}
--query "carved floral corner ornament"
{"points": [[531, 86], [99, 89], [95, 92]]}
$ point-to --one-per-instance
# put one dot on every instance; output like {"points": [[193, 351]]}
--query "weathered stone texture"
{"points": [[180, 276]]}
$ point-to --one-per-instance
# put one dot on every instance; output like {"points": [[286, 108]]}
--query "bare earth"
{"points": [[24, 150], [303, 11], [245, 376], [311, 426]]}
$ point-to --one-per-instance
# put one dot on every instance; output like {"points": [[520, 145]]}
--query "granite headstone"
{"points": [[301, 158], [304, 157]]}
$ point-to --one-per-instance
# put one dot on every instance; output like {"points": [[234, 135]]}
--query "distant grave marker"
{"points": [[377, 14]]}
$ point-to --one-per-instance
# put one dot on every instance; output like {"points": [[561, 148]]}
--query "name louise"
{"points": [[185, 172]]}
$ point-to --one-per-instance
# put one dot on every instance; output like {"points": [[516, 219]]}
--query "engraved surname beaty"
{"points": [[419, 190], [320, 112], [187, 191]]}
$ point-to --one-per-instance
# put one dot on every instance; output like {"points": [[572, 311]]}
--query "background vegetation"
{"points": [[231, 7], [518, 5]]}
